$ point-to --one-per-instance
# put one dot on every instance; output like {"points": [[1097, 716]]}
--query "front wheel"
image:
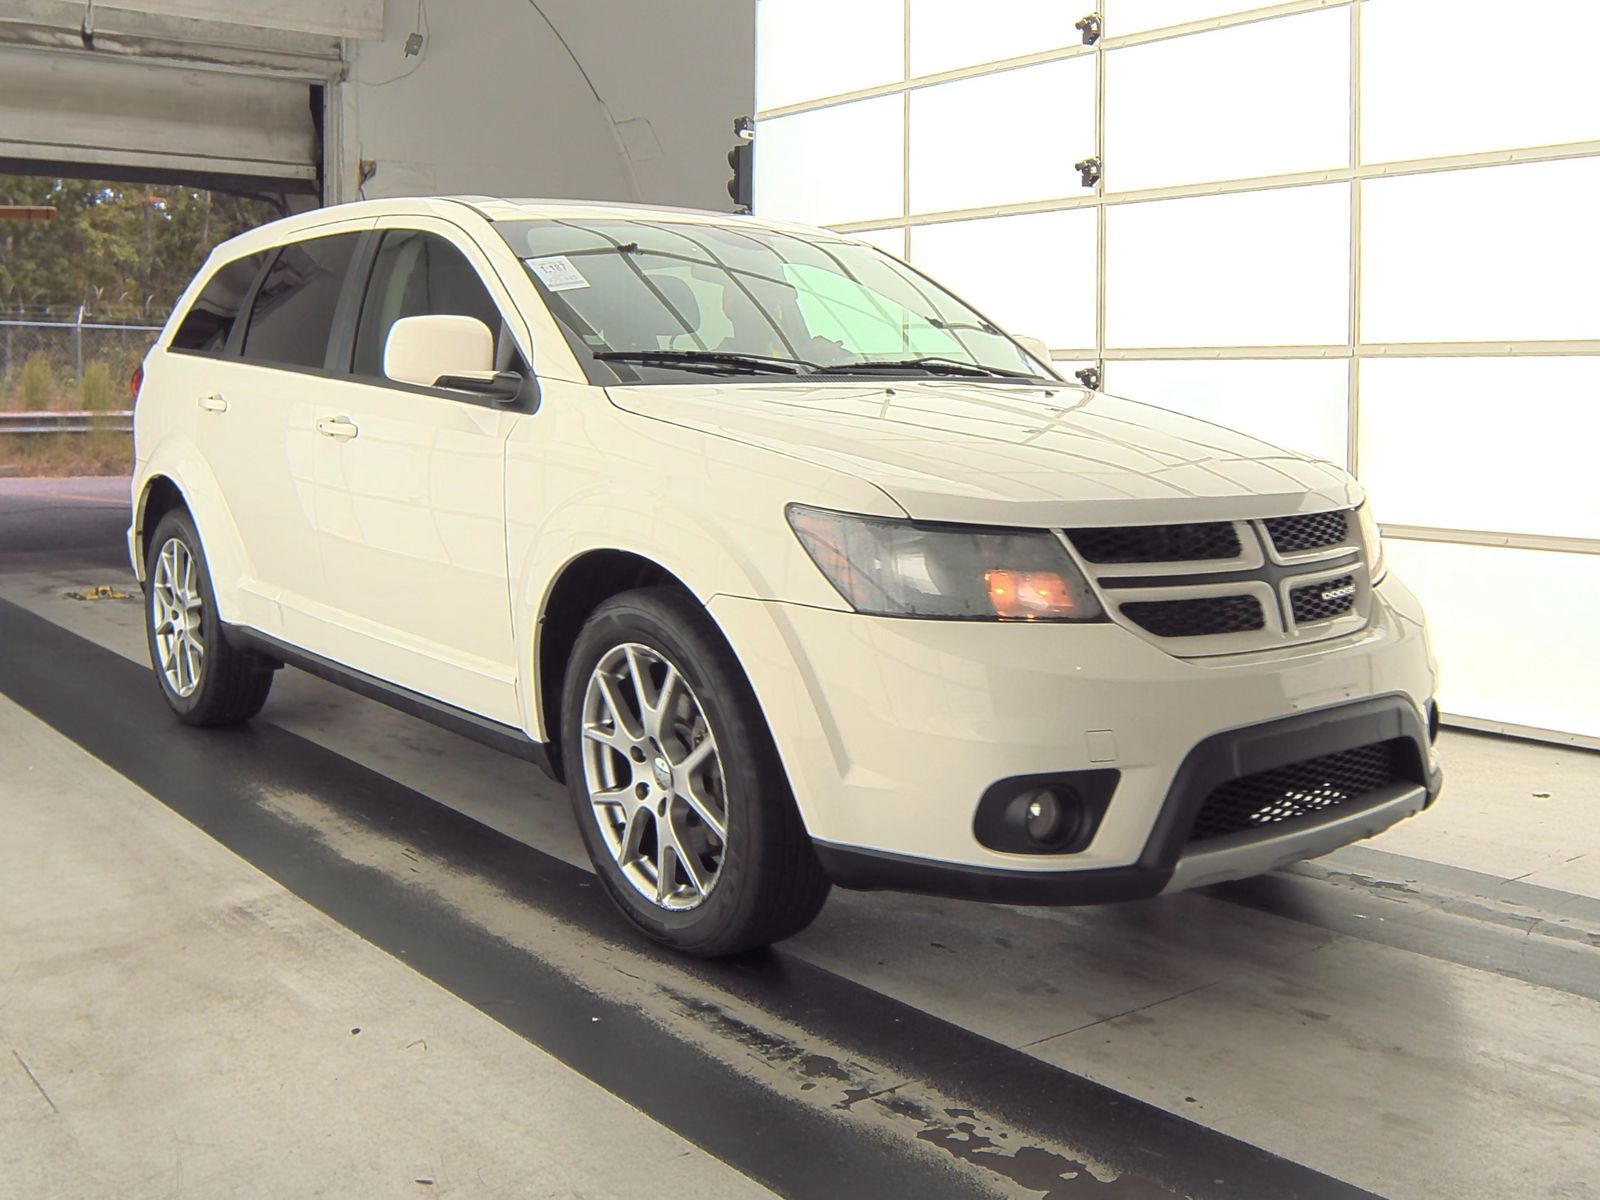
{"points": [[204, 679], [678, 791]]}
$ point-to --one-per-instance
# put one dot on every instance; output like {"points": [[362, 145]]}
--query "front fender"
{"points": [[583, 476]]}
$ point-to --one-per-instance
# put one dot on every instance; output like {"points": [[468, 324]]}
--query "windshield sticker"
{"points": [[557, 273]]}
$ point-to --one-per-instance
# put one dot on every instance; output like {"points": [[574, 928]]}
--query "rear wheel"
{"points": [[205, 680], [683, 804]]}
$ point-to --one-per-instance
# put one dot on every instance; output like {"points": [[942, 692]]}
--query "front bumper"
{"points": [[1169, 861], [891, 731]]}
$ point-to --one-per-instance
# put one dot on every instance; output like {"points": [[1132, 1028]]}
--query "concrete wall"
{"points": [[495, 105]]}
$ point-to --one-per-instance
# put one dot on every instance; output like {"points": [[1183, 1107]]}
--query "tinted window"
{"points": [[210, 318], [293, 312], [418, 274]]}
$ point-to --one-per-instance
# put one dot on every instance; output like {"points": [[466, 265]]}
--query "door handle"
{"points": [[215, 402], [337, 427]]}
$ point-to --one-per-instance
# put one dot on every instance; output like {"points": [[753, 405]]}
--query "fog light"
{"points": [[1048, 816]]}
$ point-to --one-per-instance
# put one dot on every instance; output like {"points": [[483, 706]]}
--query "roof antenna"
{"points": [[86, 31]]}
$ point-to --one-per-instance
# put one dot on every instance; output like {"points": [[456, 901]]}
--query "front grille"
{"points": [[1157, 543], [1323, 601], [1313, 531], [1229, 587], [1304, 789], [1196, 617]]}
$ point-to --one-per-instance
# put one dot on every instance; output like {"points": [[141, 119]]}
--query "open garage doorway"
{"points": [[89, 270], [150, 131]]}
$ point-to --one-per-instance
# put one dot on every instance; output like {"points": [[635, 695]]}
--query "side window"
{"points": [[292, 316], [419, 274], [209, 321]]}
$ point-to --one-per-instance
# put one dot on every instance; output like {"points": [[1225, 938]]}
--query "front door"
{"points": [[411, 496]]}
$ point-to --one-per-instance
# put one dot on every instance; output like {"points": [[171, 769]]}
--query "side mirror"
{"points": [[1036, 347], [445, 351]]}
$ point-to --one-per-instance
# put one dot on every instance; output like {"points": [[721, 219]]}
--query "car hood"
{"points": [[1008, 453]]}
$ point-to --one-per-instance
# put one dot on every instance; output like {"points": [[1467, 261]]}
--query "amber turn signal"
{"points": [[1019, 595]]}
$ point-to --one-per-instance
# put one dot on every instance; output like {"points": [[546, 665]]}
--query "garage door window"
{"points": [[418, 274], [293, 312], [210, 319]]}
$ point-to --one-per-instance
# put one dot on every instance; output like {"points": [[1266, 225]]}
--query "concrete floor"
{"points": [[1417, 1016]]}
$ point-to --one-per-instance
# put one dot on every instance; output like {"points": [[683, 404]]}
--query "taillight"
{"points": [[135, 382]]}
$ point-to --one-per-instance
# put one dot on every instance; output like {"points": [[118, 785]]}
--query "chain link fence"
{"points": [[63, 360]]}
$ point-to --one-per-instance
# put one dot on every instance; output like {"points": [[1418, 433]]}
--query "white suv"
{"points": [[794, 567]]}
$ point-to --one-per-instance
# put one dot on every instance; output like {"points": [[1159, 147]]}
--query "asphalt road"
{"points": [[84, 519]]}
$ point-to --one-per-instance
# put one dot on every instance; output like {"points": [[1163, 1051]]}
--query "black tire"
{"points": [[770, 884], [232, 683]]}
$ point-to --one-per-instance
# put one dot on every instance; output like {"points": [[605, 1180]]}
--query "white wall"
{"points": [[1361, 228], [494, 105]]}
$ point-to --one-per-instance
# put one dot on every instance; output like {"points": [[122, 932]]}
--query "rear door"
{"points": [[411, 486], [255, 429]]}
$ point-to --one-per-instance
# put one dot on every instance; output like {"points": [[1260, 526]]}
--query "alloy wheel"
{"points": [[176, 612], [654, 777]]}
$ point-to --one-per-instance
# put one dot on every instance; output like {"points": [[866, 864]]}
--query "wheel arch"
{"points": [[581, 586], [159, 496], [176, 475]]}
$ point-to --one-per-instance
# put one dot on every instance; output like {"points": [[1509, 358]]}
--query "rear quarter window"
{"points": [[207, 325]]}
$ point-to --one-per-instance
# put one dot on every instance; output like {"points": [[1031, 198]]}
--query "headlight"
{"points": [[903, 569], [1371, 541]]}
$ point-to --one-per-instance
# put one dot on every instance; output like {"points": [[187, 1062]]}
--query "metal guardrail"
{"points": [[65, 422]]}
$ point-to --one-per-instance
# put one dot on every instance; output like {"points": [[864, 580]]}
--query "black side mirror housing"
{"points": [[503, 387]]}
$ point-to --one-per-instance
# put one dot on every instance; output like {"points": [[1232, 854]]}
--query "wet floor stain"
{"points": [[1018, 1164]]}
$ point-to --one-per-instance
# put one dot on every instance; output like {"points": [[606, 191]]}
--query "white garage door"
{"points": [[1363, 229], [198, 91], [341, 18], [120, 118]]}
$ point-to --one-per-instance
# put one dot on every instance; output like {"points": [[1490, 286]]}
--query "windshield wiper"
{"points": [[710, 360], [931, 363]]}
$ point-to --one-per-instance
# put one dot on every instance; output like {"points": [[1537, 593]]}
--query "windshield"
{"points": [[657, 301]]}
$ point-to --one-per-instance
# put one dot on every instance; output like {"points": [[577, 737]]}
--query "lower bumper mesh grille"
{"points": [[1304, 789]]}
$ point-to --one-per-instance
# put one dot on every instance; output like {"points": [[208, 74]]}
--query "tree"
{"points": [[114, 247]]}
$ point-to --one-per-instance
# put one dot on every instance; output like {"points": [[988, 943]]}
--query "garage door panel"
{"points": [[1032, 274], [1518, 435], [945, 36], [1136, 16], [833, 165], [1299, 404], [1491, 254], [805, 57], [1222, 129], [973, 144], [131, 116], [1524, 651], [1254, 269], [1437, 79]]}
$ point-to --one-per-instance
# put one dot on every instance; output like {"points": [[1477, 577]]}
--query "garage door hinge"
{"points": [[1089, 168], [1090, 28]]}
